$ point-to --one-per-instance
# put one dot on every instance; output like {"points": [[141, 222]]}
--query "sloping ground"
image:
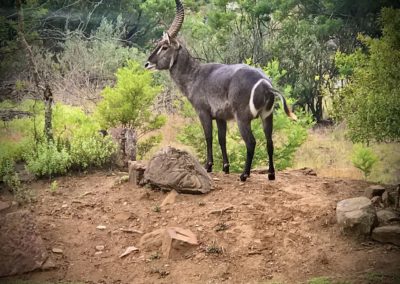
{"points": [[275, 232]]}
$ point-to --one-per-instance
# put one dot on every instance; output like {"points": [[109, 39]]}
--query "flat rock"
{"points": [[22, 249], [387, 234], [170, 199], [386, 216], [356, 216], [178, 242], [174, 242], [151, 241], [374, 190], [171, 169]]}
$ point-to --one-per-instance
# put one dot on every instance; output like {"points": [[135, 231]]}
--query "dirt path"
{"points": [[276, 232]]}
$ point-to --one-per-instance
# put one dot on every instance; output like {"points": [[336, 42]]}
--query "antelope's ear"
{"points": [[175, 43]]}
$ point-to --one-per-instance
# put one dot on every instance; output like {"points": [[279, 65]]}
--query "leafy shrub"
{"points": [[363, 158], [48, 160], [147, 144], [8, 174], [91, 151]]}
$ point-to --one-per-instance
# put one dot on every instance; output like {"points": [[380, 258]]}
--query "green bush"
{"points": [[48, 161], [8, 174], [363, 158], [91, 151], [147, 144]]}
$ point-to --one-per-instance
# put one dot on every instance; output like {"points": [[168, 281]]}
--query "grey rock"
{"points": [[391, 197], [374, 190], [171, 169], [356, 216], [386, 216], [22, 249], [387, 234]]}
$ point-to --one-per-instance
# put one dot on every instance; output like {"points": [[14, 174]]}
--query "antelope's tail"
{"points": [[285, 107]]}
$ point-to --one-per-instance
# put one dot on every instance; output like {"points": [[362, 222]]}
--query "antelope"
{"points": [[220, 92]]}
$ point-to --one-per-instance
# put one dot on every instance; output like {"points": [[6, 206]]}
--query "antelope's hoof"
{"points": [[271, 176], [225, 168], [208, 167], [243, 177]]}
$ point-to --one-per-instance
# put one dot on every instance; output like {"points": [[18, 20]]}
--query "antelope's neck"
{"points": [[184, 71]]}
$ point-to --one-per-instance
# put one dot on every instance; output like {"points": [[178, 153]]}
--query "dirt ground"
{"points": [[279, 231]]}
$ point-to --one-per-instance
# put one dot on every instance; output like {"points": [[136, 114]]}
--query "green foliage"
{"points": [[147, 144], [370, 101], [129, 102], [8, 174], [54, 186], [91, 151], [364, 159], [47, 160], [319, 280]]}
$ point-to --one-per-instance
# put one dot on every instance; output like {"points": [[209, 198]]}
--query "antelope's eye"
{"points": [[164, 47]]}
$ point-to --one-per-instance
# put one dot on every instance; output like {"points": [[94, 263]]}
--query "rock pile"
{"points": [[375, 214]]}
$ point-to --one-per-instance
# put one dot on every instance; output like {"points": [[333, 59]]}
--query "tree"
{"points": [[370, 101], [129, 103]]}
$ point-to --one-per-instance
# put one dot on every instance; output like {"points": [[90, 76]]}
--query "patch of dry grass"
{"points": [[328, 152]]}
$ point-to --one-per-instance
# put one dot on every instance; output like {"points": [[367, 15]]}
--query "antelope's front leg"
{"points": [[222, 142], [206, 122]]}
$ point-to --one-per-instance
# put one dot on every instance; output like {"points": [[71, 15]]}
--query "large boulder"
{"points": [[22, 249], [356, 216], [387, 234], [171, 169]]}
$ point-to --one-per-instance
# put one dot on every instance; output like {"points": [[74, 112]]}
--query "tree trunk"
{"points": [[130, 144], [48, 115], [47, 94]]}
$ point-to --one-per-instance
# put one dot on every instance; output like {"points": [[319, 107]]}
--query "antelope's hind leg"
{"points": [[248, 137], [221, 124]]}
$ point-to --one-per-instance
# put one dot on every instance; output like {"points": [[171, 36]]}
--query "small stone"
{"points": [[48, 265], [101, 227], [100, 248], [57, 250], [128, 251], [64, 205], [4, 205], [98, 252], [170, 199], [374, 190], [123, 216], [387, 234]]}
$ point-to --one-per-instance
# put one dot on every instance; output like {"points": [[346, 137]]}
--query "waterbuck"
{"points": [[221, 92]]}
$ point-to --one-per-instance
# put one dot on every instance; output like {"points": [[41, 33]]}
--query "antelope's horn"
{"points": [[178, 21]]}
